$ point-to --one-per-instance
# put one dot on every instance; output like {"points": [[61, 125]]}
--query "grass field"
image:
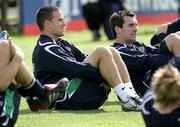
{"points": [[109, 115]]}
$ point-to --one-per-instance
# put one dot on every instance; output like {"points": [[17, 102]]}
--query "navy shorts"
{"points": [[9, 106], [175, 62], [89, 95], [163, 49]]}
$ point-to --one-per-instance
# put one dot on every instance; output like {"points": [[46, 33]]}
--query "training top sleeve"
{"points": [[174, 27]]}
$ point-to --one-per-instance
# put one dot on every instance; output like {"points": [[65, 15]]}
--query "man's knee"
{"points": [[173, 42], [173, 37], [100, 53], [109, 52], [4, 48], [4, 44], [5, 53], [103, 50], [115, 51], [178, 33]]}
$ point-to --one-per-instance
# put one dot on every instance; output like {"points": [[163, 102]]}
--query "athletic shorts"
{"points": [[89, 95], [9, 106], [175, 62], [163, 49]]}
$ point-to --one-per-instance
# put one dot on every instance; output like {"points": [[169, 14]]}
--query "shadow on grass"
{"points": [[111, 103], [96, 111]]}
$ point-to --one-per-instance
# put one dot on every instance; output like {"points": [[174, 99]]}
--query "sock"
{"points": [[121, 91], [34, 89], [131, 89]]}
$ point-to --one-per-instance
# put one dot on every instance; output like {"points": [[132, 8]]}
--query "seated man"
{"points": [[141, 60], [54, 58], [14, 73], [159, 108]]}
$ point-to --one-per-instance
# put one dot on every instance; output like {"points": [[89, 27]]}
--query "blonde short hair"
{"points": [[166, 87]]}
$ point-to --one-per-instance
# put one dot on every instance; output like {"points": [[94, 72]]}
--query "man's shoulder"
{"points": [[138, 43], [67, 44], [64, 41], [148, 102], [118, 45], [44, 40]]}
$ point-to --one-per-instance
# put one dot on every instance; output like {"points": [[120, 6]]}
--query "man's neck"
{"points": [[117, 40], [169, 109], [50, 35]]}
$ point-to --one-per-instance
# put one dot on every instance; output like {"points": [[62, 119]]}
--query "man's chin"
{"points": [[134, 39], [61, 35]]}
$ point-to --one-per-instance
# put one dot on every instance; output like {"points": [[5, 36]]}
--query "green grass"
{"points": [[109, 115]]}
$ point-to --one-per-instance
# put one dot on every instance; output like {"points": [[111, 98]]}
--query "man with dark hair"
{"points": [[55, 57], [140, 59], [16, 79]]}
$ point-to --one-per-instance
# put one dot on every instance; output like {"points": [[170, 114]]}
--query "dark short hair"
{"points": [[45, 13], [117, 19]]}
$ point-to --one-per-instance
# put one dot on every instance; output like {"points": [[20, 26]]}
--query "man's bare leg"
{"points": [[123, 72], [9, 65], [103, 59], [173, 43], [121, 65], [24, 75], [13, 69]]}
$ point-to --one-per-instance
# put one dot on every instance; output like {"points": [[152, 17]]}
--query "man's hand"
{"points": [[162, 28]]}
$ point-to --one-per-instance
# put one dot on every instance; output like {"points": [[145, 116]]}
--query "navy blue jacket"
{"points": [[140, 60], [53, 60]]}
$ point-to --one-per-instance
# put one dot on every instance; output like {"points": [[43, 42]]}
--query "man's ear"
{"points": [[46, 23], [117, 29]]}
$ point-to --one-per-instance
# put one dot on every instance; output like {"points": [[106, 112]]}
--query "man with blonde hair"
{"points": [[161, 107]]}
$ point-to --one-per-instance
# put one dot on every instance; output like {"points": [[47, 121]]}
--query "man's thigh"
{"points": [[163, 49], [172, 43], [4, 54], [94, 57]]}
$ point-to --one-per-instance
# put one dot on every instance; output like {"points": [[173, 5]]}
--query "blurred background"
{"points": [[19, 15]]}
